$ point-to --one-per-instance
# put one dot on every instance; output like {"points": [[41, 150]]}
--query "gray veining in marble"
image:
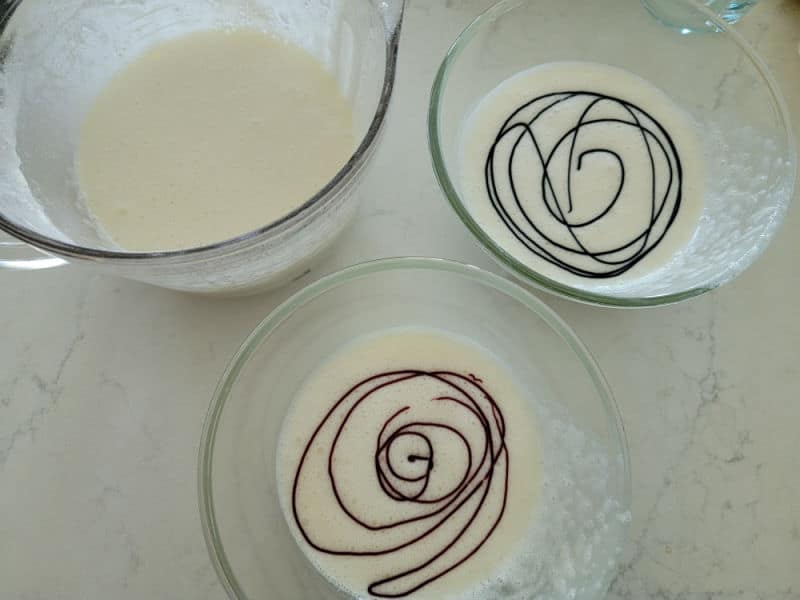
{"points": [[104, 386]]}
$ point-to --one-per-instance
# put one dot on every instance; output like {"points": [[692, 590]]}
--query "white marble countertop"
{"points": [[104, 385]]}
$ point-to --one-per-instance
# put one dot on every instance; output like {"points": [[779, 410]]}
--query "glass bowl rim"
{"points": [[352, 274], [524, 273], [355, 163]]}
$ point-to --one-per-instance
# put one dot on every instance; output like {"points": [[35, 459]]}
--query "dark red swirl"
{"points": [[430, 489]]}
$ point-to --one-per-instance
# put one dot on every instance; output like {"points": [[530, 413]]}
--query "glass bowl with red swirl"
{"points": [[414, 428]]}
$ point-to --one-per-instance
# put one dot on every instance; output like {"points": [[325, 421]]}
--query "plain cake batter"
{"points": [[209, 136]]}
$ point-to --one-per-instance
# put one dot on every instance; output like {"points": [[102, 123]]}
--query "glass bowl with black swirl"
{"points": [[414, 428], [599, 155]]}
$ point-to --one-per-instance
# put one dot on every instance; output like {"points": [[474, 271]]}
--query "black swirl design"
{"points": [[533, 177], [432, 490]]}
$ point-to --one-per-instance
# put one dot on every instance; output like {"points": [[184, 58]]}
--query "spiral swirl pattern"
{"points": [[413, 465], [539, 177]]}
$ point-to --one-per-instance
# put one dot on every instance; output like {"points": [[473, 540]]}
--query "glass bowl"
{"points": [[715, 77], [57, 56], [248, 538]]}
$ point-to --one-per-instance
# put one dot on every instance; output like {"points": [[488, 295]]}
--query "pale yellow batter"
{"points": [[210, 136], [445, 518], [583, 172]]}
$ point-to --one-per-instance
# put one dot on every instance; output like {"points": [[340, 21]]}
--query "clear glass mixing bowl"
{"points": [[247, 536], [56, 56], [716, 77]]}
